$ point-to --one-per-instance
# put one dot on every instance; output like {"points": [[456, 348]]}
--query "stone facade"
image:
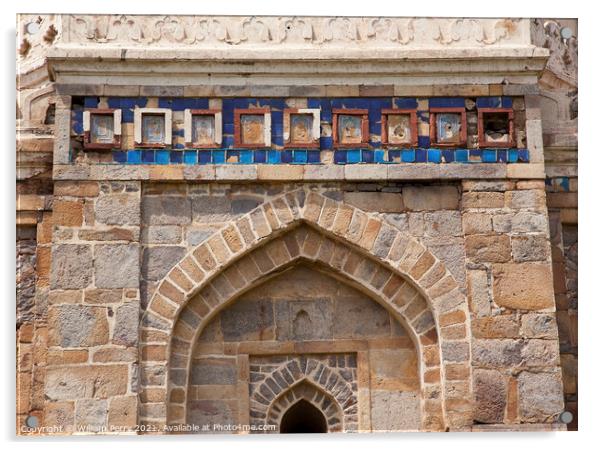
{"points": [[166, 288]]}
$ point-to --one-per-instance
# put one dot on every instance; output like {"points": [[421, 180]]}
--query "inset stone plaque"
{"points": [[252, 127], [153, 128], [399, 127], [448, 126], [350, 127], [102, 128], [301, 127], [496, 127]]}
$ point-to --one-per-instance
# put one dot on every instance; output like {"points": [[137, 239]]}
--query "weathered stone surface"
{"points": [[503, 326], [209, 209], [455, 351], [209, 412], [484, 248], [123, 411], [395, 411], [529, 198], [515, 353], [91, 414], [451, 251], [430, 197], [125, 331], [78, 326], [384, 202], [116, 266], [166, 210], [196, 235], [523, 286], [530, 248], [477, 223], [162, 234], [93, 381], [118, 209], [479, 292], [158, 261], [248, 320], [443, 223], [535, 325], [490, 390], [213, 371], [540, 396], [71, 266], [359, 317], [304, 320]]}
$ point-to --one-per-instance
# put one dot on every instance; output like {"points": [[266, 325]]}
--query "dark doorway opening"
{"points": [[303, 417]]}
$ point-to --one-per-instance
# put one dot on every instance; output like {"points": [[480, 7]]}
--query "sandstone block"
{"points": [[118, 209], [71, 266], [248, 320], [91, 414], [430, 198], [485, 248], [540, 396], [166, 210], [78, 326], [123, 411], [443, 223], [530, 248], [504, 326], [384, 202], [535, 325], [68, 213], [490, 391], [125, 331], [529, 198], [483, 200], [116, 266], [523, 286], [477, 223], [158, 261], [214, 371], [95, 381]]}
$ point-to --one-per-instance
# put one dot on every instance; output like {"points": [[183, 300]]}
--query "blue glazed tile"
{"points": [[175, 157], [277, 103], [340, 156], [523, 155], [232, 156], [326, 142], [300, 156], [474, 155], [354, 156], [422, 116], [134, 157], [246, 157], [379, 156], [259, 156], [277, 117], [406, 103], [228, 141], [502, 155], [564, 183], [434, 155], [488, 156], [374, 126], [512, 155], [420, 155], [548, 181], [394, 156], [204, 156], [313, 156], [448, 155], [408, 155], [424, 141], [368, 156], [277, 128], [354, 103], [120, 157], [190, 157], [286, 156], [179, 132], [178, 146], [324, 105], [91, 102], [162, 156], [127, 115], [461, 155], [228, 128], [489, 102], [506, 102], [114, 102], [148, 156], [274, 157], [446, 102], [218, 156]]}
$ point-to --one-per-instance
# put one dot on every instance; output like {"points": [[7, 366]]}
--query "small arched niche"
{"points": [[303, 417]]}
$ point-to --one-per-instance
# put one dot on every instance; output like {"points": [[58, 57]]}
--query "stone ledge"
{"points": [[294, 172], [532, 427]]}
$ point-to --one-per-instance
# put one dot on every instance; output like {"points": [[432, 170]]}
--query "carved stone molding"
{"points": [[220, 31], [563, 52]]}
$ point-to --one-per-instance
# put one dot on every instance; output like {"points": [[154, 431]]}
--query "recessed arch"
{"points": [[355, 244]]}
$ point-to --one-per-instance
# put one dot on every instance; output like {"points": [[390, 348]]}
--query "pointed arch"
{"points": [[392, 267]]}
